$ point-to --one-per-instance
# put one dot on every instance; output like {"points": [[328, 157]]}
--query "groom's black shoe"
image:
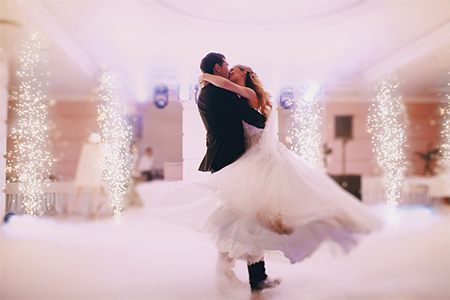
{"points": [[259, 279], [267, 283]]}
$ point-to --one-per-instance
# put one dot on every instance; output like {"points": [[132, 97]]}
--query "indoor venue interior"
{"points": [[109, 167]]}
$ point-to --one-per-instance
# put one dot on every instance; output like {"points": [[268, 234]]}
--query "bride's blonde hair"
{"points": [[252, 81]]}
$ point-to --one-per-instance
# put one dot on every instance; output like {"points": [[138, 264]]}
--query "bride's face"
{"points": [[236, 74]]}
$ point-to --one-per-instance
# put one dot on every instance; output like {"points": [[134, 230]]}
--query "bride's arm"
{"points": [[224, 83]]}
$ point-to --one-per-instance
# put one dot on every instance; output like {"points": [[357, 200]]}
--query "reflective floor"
{"points": [[143, 257]]}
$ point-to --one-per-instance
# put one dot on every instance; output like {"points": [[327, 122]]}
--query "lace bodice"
{"points": [[252, 134]]}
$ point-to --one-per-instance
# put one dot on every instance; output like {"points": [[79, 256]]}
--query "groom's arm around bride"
{"points": [[222, 114]]}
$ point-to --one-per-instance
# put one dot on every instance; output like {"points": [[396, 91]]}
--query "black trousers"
{"points": [[256, 273], [147, 175]]}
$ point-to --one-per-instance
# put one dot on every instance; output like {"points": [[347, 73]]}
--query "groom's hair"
{"points": [[210, 60]]}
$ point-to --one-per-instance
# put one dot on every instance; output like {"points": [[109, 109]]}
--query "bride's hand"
{"points": [[201, 79]]}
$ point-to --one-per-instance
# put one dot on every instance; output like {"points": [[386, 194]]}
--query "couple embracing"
{"points": [[271, 199]]}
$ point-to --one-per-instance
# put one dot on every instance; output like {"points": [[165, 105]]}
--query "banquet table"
{"points": [[420, 190], [57, 198]]}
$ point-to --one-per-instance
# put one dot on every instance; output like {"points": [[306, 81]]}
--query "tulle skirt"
{"points": [[275, 200], [272, 199]]}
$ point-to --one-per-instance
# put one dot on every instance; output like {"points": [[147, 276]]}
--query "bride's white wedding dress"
{"points": [[272, 199]]}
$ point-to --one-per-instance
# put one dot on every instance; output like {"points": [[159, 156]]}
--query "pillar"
{"points": [[4, 79], [194, 142]]}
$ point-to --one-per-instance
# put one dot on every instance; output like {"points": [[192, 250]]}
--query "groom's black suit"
{"points": [[222, 113]]}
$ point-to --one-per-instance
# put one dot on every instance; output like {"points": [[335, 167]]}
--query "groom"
{"points": [[222, 114]]}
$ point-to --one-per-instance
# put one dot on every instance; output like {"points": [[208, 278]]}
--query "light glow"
{"points": [[307, 120], [311, 92], [184, 92]]}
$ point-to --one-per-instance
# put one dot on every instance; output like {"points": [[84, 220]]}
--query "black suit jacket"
{"points": [[222, 113]]}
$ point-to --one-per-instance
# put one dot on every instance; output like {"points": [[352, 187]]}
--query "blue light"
{"points": [[287, 97], [161, 97]]}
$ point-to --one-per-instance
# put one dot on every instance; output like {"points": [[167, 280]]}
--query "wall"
{"points": [[423, 129], [359, 156], [162, 131], [71, 123], [423, 132]]}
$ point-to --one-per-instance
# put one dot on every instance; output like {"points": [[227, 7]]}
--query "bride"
{"points": [[272, 199]]}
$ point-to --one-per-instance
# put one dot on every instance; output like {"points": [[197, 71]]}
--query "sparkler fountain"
{"points": [[386, 123], [115, 133], [30, 161], [307, 119]]}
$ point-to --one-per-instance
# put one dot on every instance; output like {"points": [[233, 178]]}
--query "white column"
{"points": [[4, 79], [194, 142]]}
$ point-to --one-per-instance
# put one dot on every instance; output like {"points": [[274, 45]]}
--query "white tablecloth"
{"points": [[416, 190], [57, 198], [440, 186]]}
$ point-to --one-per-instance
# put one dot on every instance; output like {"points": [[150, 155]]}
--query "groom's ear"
{"points": [[216, 68]]}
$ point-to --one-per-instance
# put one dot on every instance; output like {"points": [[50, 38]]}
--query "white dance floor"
{"points": [[143, 257]]}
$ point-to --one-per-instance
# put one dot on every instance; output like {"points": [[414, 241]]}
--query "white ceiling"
{"points": [[342, 44]]}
